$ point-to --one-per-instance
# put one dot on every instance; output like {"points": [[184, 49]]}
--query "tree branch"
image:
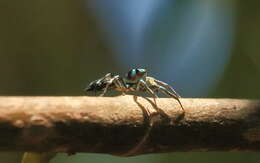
{"points": [[127, 125]]}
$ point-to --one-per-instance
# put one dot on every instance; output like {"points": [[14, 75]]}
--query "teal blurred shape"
{"points": [[180, 42]]}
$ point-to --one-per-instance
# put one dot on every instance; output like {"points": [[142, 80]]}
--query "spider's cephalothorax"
{"points": [[135, 80]]}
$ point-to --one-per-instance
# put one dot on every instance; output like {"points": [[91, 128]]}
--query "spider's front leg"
{"points": [[165, 85], [148, 89], [167, 92]]}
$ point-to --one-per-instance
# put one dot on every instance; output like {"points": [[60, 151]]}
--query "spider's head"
{"points": [[136, 74]]}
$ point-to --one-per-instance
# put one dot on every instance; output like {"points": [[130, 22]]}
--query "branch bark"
{"points": [[127, 125]]}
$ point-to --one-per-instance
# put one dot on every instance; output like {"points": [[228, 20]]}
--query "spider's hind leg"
{"points": [[117, 83], [106, 88]]}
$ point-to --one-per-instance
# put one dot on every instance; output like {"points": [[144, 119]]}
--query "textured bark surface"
{"points": [[127, 125]]}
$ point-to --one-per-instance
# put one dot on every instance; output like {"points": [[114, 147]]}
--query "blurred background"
{"points": [[202, 48]]}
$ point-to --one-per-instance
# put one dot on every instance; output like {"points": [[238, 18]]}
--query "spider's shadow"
{"points": [[148, 119], [164, 116], [146, 113]]}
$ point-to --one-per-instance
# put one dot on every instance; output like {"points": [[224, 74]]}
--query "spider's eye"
{"points": [[131, 75], [140, 72]]}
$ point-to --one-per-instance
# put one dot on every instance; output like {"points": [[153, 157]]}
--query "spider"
{"points": [[135, 80]]}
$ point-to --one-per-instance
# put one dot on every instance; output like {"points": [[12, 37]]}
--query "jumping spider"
{"points": [[135, 80]]}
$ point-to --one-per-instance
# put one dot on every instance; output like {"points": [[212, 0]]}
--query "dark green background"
{"points": [[56, 47]]}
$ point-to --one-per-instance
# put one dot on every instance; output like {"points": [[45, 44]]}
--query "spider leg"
{"points": [[166, 92], [139, 83], [108, 77], [148, 89], [118, 83], [109, 82], [106, 88], [163, 84]]}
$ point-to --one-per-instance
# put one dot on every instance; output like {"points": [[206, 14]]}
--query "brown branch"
{"points": [[121, 125]]}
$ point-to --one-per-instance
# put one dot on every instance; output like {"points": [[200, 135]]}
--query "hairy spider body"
{"points": [[135, 80], [100, 84]]}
